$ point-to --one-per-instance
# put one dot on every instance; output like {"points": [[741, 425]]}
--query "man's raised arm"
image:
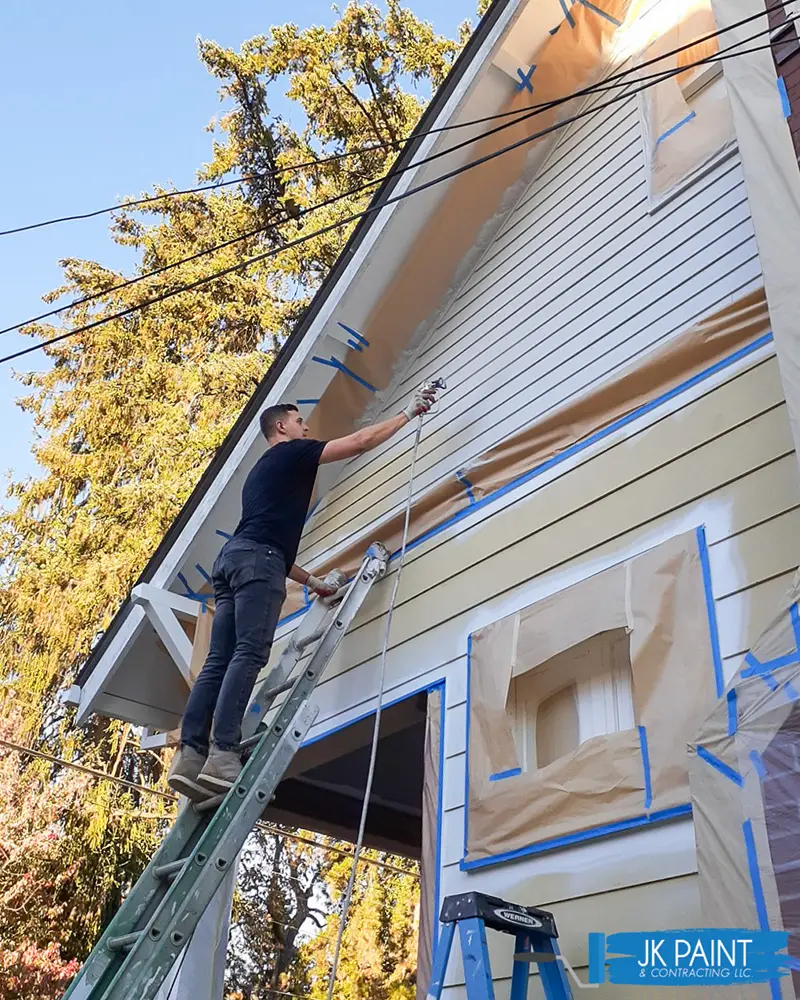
{"points": [[370, 437]]}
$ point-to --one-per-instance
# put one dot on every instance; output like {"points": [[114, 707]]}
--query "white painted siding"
{"points": [[580, 281]]}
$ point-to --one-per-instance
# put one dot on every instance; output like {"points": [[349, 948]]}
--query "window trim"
{"points": [[596, 699]]}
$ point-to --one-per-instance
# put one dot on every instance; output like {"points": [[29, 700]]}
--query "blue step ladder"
{"points": [[536, 940]]}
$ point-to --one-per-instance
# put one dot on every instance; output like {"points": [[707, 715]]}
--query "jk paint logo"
{"points": [[729, 957]]}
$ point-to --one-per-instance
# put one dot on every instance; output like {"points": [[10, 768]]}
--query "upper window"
{"points": [[581, 693], [687, 121]]}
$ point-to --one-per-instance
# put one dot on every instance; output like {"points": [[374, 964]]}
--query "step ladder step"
{"points": [[535, 940]]}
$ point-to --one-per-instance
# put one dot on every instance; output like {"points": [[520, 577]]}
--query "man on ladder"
{"points": [[249, 587]]}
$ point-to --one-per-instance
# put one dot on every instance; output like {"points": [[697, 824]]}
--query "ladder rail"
{"points": [[154, 923]]}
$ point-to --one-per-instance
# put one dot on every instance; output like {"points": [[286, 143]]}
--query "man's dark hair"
{"points": [[272, 415]]}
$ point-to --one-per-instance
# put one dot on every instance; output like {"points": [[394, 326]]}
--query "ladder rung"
{"points": [[125, 942], [280, 689], [207, 804], [308, 639], [167, 871], [252, 740]]}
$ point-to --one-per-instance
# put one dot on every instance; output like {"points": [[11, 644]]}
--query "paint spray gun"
{"points": [[433, 385]]}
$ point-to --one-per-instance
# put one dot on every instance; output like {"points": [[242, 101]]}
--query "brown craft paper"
{"points": [[658, 597], [568, 61], [702, 345]]}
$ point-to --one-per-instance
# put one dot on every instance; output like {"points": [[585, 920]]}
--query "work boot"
{"points": [[221, 770], [182, 778]]}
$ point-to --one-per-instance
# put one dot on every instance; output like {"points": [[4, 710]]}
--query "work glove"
{"points": [[320, 587], [424, 398]]}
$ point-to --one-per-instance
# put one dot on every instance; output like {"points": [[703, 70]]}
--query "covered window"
{"points": [[687, 120], [579, 694], [581, 705]]}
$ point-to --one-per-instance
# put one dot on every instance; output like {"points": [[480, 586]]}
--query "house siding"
{"points": [[579, 282]]}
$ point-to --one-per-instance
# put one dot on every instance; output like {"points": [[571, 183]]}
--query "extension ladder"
{"points": [[157, 918], [536, 940]]}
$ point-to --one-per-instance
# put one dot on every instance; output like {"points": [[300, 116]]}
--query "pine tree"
{"points": [[128, 415]]}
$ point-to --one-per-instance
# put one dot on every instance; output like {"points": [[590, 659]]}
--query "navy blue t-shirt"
{"points": [[277, 493]]}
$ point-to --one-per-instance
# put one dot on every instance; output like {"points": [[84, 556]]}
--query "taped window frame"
{"points": [[704, 77], [599, 669], [664, 790]]}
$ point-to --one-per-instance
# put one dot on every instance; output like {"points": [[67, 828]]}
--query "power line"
{"points": [[388, 145], [522, 114], [242, 265], [146, 790]]}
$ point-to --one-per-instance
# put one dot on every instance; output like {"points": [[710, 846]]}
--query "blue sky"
{"points": [[101, 101]]}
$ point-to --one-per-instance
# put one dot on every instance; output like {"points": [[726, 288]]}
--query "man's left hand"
{"points": [[320, 587]]}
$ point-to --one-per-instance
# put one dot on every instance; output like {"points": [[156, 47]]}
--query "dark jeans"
{"points": [[249, 589]]}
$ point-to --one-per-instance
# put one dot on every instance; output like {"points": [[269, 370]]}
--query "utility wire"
{"points": [[521, 114], [337, 157], [242, 265], [146, 790]]}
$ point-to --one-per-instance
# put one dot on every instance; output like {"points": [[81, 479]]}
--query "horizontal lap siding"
{"points": [[579, 283], [722, 457]]}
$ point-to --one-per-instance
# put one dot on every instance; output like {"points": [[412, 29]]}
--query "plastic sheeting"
{"points": [[659, 598], [744, 766], [682, 357]]}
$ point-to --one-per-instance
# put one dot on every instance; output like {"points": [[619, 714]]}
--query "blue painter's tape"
{"points": [[223, 534], [467, 486], [354, 345], [648, 791], [794, 614], [305, 595], [595, 833], [355, 334], [786, 104], [202, 598], [203, 573], [525, 80], [512, 772], [755, 666], [720, 765], [567, 14], [671, 131], [334, 363], [758, 892], [758, 764], [602, 13], [769, 680], [255, 709], [733, 712], [306, 402], [755, 875], [575, 449], [705, 564]]}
